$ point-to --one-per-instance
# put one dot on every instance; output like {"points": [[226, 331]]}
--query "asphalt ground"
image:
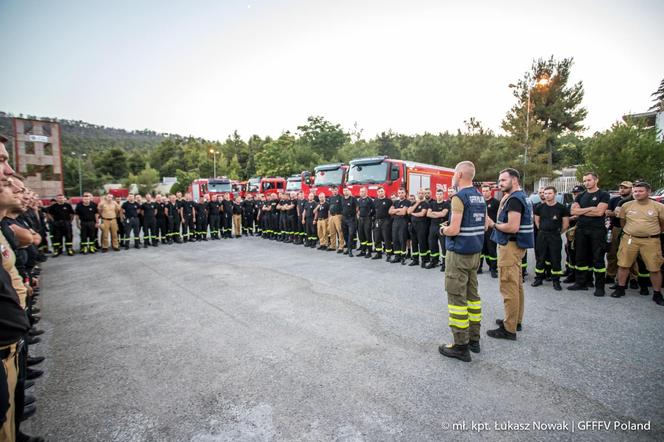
{"points": [[257, 340]]}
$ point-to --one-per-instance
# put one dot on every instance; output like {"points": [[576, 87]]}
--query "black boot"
{"points": [[350, 253], [570, 279], [657, 298], [501, 333], [362, 252], [368, 254], [618, 292], [432, 264], [537, 282], [474, 346], [460, 352], [556, 285], [137, 244], [378, 255], [644, 291], [414, 262], [424, 263]]}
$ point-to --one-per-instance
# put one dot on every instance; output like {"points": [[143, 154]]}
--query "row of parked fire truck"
{"points": [[371, 173]]}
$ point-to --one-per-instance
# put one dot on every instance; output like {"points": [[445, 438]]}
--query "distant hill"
{"points": [[79, 136]]}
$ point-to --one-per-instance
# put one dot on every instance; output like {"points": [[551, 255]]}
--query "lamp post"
{"points": [[80, 172], [214, 161], [541, 81]]}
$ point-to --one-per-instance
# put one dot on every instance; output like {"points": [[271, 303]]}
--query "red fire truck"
{"points": [[393, 174], [327, 175], [271, 184], [209, 187], [300, 182]]}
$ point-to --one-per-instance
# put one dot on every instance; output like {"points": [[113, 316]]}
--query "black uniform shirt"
{"points": [[435, 206], [237, 209], [382, 207], [335, 204], [323, 210], [161, 209], [400, 204], [149, 209], [227, 206], [422, 207], [86, 213], [349, 209], [201, 210], [172, 209], [273, 205], [551, 217], [492, 208], [188, 208], [615, 202], [587, 199], [293, 210], [366, 206], [61, 212], [248, 207], [13, 321], [130, 209], [308, 209], [213, 208]]}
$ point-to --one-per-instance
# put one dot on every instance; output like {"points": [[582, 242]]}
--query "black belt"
{"points": [[640, 237], [109, 219]]}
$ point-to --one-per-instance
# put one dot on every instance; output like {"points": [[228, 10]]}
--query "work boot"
{"points": [[137, 245], [70, 251], [126, 247], [33, 373], [556, 285], [494, 274], [423, 264], [28, 412], [403, 260], [480, 271], [618, 292], [500, 322], [455, 351], [431, 264], [474, 346], [350, 253], [34, 360], [367, 255], [599, 291], [634, 284], [22, 437], [537, 282], [414, 262], [657, 298], [609, 280], [340, 251], [501, 333], [345, 252], [84, 251], [570, 279], [576, 286], [362, 253], [378, 255], [644, 291]]}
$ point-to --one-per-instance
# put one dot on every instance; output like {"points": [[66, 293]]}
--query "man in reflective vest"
{"points": [[513, 232], [464, 238]]}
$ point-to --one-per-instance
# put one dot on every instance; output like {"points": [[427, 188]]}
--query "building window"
{"points": [[46, 129], [48, 149], [27, 127], [29, 148]]}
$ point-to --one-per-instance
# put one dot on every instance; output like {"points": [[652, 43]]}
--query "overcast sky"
{"points": [[206, 68]]}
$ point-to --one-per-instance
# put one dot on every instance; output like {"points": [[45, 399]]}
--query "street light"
{"points": [[80, 173], [214, 161]]}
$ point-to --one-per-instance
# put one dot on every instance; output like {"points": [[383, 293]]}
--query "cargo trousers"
{"points": [[511, 283], [463, 299]]}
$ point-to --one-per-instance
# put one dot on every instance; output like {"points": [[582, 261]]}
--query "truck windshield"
{"points": [[367, 173], [294, 185], [253, 185], [219, 187], [329, 177]]}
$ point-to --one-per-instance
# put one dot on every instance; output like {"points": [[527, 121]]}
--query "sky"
{"points": [[207, 68]]}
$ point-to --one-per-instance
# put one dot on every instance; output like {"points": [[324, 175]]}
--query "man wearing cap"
{"points": [[625, 195], [643, 222], [590, 237], [334, 230]]}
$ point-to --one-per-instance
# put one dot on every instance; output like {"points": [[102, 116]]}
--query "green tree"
{"points": [[358, 149], [547, 106], [234, 169], [276, 159], [323, 137], [658, 98], [184, 179], [146, 180], [112, 162], [627, 151], [135, 162]]}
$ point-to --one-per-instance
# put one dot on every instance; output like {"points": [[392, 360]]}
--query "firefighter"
{"points": [[642, 221], [162, 219], [201, 210], [119, 220], [237, 217], [130, 222], [349, 223], [321, 215], [292, 222], [227, 216], [274, 217], [399, 213], [570, 250], [188, 218], [87, 219], [260, 199], [438, 213], [590, 238], [149, 211], [62, 214], [139, 200], [109, 212], [552, 220], [382, 225], [513, 232], [364, 225], [489, 253], [214, 212], [264, 218], [301, 230], [308, 217], [337, 241], [248, 215], [625, 195], [175, 215], [420, 230], [464, 238]]}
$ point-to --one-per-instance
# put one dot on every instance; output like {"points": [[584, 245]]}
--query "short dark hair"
{"points": [[486, 186], [642, 184], [594, 175], [511, 172], [551, 188]]}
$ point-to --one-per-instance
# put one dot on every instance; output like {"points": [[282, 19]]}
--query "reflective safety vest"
{"points": [[525, 237], [471, 235]]}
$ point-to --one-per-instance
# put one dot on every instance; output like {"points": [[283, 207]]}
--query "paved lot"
{"points": [[256, 340]]}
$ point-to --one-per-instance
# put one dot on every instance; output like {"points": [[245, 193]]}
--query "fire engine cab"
{"points": [[297, 183], [327, 175], [392, 174], [210, 186], [272, 184]]}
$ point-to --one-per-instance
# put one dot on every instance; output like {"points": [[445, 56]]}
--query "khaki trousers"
{"points": [[511, 283], [336, 233], [237, 225], [109, 226], [321, 228], [8, 430]]}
